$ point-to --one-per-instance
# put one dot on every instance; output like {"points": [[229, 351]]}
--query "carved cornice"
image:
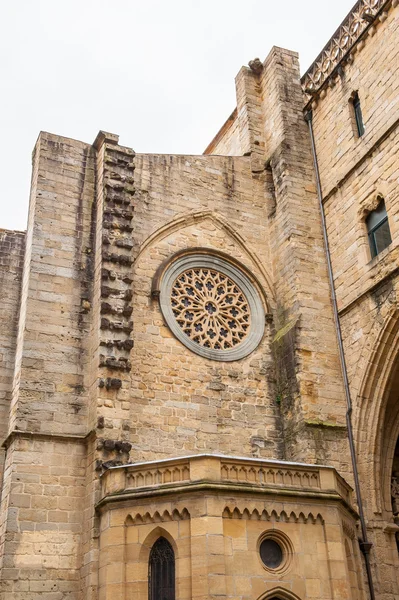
{"points": [[362, 17], [157, 517], [273, 516]]}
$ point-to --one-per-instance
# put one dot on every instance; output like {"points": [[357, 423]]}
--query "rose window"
{"points": [[212, 307]]}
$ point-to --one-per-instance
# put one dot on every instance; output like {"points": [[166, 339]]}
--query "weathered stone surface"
{"points": [[111, 425]]}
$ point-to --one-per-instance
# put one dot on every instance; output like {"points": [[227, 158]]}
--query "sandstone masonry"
{"points": [[116, 435]]}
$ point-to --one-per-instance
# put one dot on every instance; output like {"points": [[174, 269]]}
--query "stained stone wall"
{"points": [[227, 142], [308, 381], [182, 402]]}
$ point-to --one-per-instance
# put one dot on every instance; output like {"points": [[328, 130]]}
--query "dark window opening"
{"points": [[358, 114], [271, 553], [378, 230], [161, 571]]}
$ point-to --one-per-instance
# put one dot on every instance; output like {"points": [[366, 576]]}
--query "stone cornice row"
{"points": [[361, 18]]}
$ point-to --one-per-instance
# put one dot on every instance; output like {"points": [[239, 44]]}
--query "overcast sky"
{"points": [[160, 73]]}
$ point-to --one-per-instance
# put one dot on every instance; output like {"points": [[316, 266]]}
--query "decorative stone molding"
{"points": [[362, 16], [395, 495], [299, 478], [287, 550], [348, 530], [221, 223], [372, 201], [137, 477], [156, 517], [272, 516], [223, 473]]}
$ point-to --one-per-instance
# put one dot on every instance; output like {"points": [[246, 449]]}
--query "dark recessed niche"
{"points": [[271, 553]]}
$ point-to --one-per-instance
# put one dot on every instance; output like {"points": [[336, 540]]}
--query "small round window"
{"points": [[275, 551], [212, 307], [271, 553]]}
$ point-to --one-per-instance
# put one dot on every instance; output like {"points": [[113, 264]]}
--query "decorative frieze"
{"points": [[137, 477], [158, 517], [291, 477], [362, 16], [271, 516]]}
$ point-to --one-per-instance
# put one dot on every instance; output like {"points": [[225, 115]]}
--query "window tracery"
{"points": [[161, 571], [212, 307]]}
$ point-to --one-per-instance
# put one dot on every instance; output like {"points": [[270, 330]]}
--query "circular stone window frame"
{"points": [[216, 263], [287, 550]]}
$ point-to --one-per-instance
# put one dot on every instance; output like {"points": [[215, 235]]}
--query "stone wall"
{"points": [[42, 520], [309, 389], [100, 380], [227, 140], [12, 245], [41, 508], [355, 172], [179, 402], [49, 378]]}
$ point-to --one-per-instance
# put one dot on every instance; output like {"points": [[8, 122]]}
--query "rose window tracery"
{"points": [[210, 308]]}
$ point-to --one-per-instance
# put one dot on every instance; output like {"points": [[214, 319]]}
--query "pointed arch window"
{"points": [[161, 571], [378, 229]]}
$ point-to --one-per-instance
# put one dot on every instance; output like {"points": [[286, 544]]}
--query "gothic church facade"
{"points": [[200, 354]]}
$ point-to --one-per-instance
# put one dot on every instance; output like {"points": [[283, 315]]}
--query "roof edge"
{"points": [[225, 127]]}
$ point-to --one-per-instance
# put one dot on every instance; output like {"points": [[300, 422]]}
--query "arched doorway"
{"points": [[376, 421], [389, 448]]}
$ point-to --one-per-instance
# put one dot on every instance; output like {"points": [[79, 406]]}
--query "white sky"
{"points": [[160, 73]]}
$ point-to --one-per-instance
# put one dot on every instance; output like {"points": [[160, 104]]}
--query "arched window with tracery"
{"points": [[161, 571]]}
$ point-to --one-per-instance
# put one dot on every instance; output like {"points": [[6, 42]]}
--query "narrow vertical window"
{"points": [[358, 114], [161, 571], [378, 230]]}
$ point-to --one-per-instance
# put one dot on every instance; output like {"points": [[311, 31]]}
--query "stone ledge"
{"points": [[57, 437]]}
